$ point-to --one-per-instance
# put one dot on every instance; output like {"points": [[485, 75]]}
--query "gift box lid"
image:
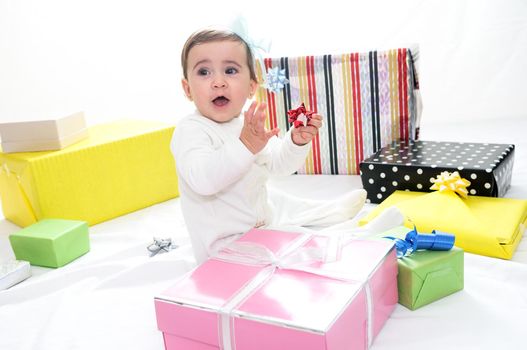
{"points": [[51, 242], [326, 297], [43, 135], [284, 298], [293, 299], [13, 272], [328, 294], [482, 225], [206, 286], [411, 166], [50, 229], [213, 283]]}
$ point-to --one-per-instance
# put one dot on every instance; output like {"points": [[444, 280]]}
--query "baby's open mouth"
{"points": [[220, 101]]}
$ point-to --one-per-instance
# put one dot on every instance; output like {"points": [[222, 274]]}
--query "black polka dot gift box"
{"points": [[412, 165]]}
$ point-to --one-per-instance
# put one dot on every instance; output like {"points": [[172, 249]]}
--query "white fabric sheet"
{"points": [[104, 300]]}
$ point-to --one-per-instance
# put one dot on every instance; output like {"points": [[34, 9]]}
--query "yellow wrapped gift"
{"points": [[121, 167], [482, 225]]}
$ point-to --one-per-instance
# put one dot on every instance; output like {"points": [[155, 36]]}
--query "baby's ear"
{"points": [[252, 88], [186, 88]]}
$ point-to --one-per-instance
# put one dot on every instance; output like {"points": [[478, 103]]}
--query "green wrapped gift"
{"points": [[425, 275], [51, 242]]}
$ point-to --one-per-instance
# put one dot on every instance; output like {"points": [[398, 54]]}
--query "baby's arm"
{"points": [[205, 169], [289, 154]]}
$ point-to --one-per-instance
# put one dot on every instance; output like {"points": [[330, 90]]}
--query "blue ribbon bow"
{"points": [[258, 46], [275, 80], [414, 240]]}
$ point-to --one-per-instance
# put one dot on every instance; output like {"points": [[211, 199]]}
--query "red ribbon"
{"points": [[295, 113]]}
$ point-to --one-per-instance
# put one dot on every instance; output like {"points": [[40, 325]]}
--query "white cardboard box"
{"points": [[43, 135], [13, 272]]}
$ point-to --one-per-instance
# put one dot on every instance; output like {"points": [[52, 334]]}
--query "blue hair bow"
{"points": [[257, 46]]}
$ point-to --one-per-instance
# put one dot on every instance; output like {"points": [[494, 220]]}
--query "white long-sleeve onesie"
{"points": [[221, 183]]}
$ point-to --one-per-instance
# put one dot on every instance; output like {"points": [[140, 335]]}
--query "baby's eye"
{"points": [[231, 70], [203, 71]]}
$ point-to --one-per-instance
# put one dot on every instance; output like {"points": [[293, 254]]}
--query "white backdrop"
{"points": [[118, 59]]}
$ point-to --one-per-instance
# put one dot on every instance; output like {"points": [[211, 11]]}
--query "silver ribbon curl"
{"points": [[161, 245]]}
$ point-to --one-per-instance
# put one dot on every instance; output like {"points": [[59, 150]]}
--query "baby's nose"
{"points": [[219, 83]]}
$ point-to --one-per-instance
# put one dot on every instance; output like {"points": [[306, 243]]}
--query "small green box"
{"points": [[426, 276], [51, 242]]}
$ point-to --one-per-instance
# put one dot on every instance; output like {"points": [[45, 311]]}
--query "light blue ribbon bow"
{"points": [[257, 46], [275, 80]]}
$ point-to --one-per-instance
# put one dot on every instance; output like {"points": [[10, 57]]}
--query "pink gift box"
{"points": [[334, 305]]}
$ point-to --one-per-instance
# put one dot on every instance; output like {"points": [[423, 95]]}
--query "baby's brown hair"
{"points": [[211, 35]]}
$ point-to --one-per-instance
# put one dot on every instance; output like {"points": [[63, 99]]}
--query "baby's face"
{"points": [[218, 80]]}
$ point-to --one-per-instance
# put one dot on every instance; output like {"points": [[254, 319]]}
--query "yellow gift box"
{"points": [[482, 225], [121, 167]]}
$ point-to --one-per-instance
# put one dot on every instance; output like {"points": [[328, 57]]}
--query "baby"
{"points": [[224, 158]]}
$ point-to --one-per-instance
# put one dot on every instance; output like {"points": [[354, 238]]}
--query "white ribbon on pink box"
{"points": [[273, 261]]}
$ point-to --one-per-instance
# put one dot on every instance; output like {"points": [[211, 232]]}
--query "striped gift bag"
{"points": [[367, 100]]}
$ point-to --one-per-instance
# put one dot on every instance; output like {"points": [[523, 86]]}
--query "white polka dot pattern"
{"points": [[411, 166]]}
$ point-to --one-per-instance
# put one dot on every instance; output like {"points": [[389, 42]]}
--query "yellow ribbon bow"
{"points": [[447, 181]]}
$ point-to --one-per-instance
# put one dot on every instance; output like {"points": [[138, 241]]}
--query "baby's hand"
{"points": [[304, 134], [253, 135]]}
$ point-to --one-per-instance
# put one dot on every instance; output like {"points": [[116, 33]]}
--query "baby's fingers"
{"points": [[309, 130], [260, 116], [316, 121], [248, 115], [272, 133]]}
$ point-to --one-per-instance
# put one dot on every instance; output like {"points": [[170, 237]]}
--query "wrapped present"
{"points": [[121, 167], [51, 242], [427, 275], [13, 272], [270, 290], [43, 135], [483, 225], [367, 99], [411, 165]]}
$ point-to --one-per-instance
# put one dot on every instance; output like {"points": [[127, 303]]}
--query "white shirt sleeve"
{"points": [[285, 156], [205, 167]]}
